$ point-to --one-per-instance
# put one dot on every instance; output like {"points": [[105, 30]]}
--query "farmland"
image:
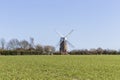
{"points": [[82, 67]]}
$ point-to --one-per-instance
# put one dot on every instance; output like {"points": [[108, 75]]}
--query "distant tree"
{"points": [[49, 49], [111, 51], [100, 51], [13, 44], [2, 43], [32, 43], [24, 44], [39, 49], [93, 51]]}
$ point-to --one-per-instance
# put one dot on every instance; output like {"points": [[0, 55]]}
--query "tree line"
{"points": [[98, 51], [24, 47]]}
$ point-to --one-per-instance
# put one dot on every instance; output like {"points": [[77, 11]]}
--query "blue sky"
{"points": [[96, 23]]}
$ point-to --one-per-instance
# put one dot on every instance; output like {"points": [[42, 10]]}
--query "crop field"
{"points": [[66, 67]]}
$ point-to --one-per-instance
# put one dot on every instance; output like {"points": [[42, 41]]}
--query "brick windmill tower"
{"points": [[63, 43]]}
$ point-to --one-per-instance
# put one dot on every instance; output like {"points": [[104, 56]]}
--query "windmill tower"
{"points": [[63, 48]]}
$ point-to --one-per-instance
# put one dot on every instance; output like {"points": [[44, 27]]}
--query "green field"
{"points": [[60, 67]]}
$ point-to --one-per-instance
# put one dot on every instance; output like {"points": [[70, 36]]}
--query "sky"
{"points": [[96, 23]]}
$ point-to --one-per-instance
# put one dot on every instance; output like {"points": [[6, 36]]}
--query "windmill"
{"points": [[63, 43]]}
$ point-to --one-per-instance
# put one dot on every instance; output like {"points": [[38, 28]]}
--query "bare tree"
{"points": [[13, 44], [49, 49], [93, 51], [2, 43], [39, 47], [24, 44], [100, 51], [31, 43]]}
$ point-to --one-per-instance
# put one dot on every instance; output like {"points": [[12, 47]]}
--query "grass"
{"points": [[68, 67]]}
